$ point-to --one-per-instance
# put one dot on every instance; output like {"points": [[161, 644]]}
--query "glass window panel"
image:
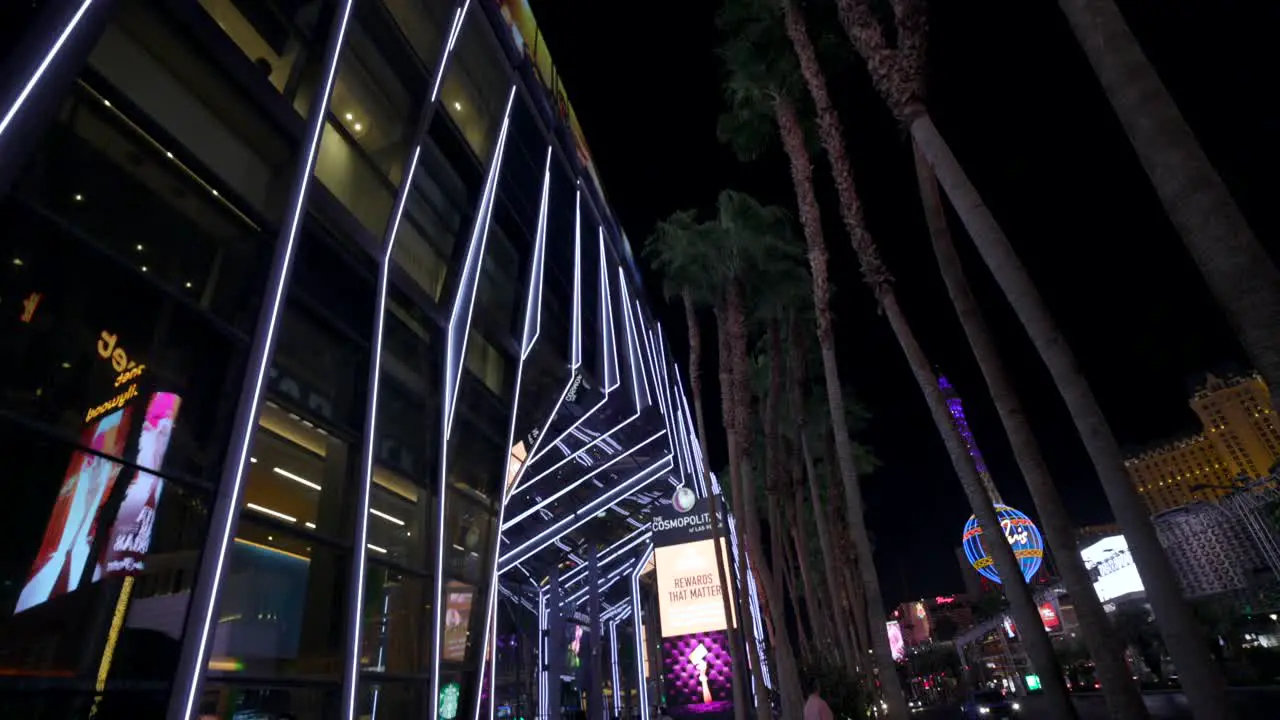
{"points": [[476, 84], [272, 35], [185, 92], [391, 699], [227, 698], [423, 26], [298, 475], [396, 637], [467, 537], [282, 610]]}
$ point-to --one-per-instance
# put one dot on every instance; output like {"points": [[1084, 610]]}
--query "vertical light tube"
{"points": [[638, 626], [355, 589], [189, 678], [613, 658], [459, 331]]}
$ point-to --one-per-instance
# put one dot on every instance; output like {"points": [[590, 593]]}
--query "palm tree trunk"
{"points": [[729, 594], [782, 565], [1203, 682], [877, 278], [1122, 695], [802, 177], [785, 662], [1239, 272], [728, 408], [828, 620], [1021, 603]]}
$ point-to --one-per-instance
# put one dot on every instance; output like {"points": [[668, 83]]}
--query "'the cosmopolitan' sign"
{"points": [[671, 525]]}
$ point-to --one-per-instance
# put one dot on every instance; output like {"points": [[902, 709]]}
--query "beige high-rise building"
{"points": [[1240, 437]]}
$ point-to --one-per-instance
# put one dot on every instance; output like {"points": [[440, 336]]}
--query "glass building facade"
{"points": [[279, 277]]}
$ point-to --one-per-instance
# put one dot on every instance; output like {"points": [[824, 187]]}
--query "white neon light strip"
{"points": [[585, 513], [602, 583], [384, 516], [296, 478], [453, 359], [575, 338], [638, 628], [633, 354], [562, 491], [577, 573], [532, 328], [44, 65], [272, 513], [611, 379], [613, 659], [571, 456], [458, 17], [241, 454]]}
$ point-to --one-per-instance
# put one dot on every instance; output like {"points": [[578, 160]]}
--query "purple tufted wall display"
{"points": [[699, 675]]}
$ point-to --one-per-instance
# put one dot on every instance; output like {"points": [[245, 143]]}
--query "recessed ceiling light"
{"points": [[17, 261], [188, 284], [168, 154], [215, 193], [144, 268], [78, 197], [107, 103], [350, 116], [139, 248], [253, 459], [358, 127], [457, 106], [66, 364]]}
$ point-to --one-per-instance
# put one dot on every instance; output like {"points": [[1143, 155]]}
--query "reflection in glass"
{"points": [[396, 637]]}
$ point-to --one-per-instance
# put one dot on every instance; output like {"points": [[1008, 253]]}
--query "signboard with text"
{"points": [[689, 590]]}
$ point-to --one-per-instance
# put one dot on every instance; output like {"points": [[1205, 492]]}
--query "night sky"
{"points": [[1018, 102]]}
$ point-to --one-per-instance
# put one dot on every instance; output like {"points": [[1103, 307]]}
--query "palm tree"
{"points": [[754, 250], [1123, 697], [761, 102], [877, 278], [896, 75], [1241, 276], [678, 249]]}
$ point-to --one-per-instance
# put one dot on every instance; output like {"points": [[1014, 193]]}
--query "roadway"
{"points": [[1249, 704]]}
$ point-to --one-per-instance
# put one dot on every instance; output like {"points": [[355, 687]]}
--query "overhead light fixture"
{"points": [[272, 513], [78, 197], [168, 154], [457, 106], [144, 268], [358, 127], [17, 261], [215, 192], [295, 478], [66, 364], [139, 247], [310, 525], [107, 103], [188, 283], [375, 548], [253, 459], [386, 517]]}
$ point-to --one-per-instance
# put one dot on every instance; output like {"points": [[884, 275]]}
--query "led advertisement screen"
{"points": [[1111, 568], [699, 675], [574, 644], [689, 592], [1049, 616], [897, 648], [457, 614], [59, 565]]}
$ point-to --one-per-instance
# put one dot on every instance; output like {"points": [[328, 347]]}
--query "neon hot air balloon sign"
{"points": [[1022, 535]]}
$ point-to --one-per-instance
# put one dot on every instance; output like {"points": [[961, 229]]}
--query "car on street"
{"points": [[990, 704]]}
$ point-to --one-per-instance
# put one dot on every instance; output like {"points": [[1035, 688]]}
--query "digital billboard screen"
{"points": [[1111, 568], [897, 648]]}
